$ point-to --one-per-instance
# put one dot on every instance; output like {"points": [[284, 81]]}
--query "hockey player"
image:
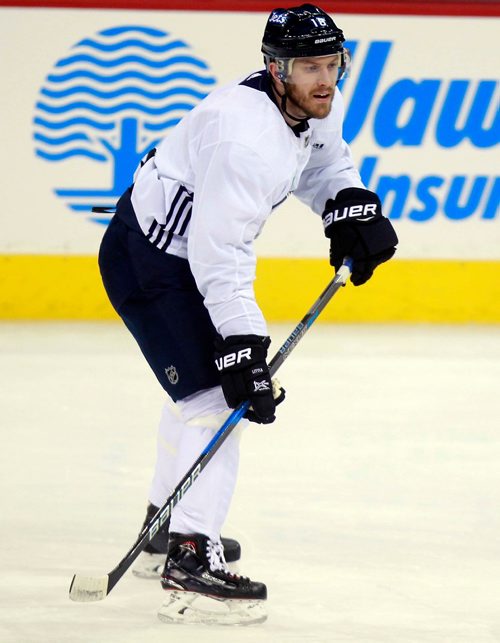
{"points": [[178, 264]]}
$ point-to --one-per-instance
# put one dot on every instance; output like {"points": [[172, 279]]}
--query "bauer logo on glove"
{"points": [[363, 213], [244, 375], [233, 358], [356, 227]]}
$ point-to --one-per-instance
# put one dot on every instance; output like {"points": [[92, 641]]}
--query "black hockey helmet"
{"points": [[300, 32]]}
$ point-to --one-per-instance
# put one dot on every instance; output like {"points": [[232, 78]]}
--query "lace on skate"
{"points": [[215, 556], [217, 562]]}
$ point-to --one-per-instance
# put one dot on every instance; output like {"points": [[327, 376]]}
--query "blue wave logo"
{"points": [[113, 99]]}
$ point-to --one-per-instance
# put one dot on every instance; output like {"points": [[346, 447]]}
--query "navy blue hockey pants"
{"points": [[156, 296]]}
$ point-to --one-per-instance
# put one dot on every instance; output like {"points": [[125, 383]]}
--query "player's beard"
{"points": [[306, 101]]}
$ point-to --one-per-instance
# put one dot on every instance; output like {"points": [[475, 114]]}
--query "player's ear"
{"points": [[275, 74]]}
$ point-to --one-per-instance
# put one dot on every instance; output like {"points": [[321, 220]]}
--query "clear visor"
{"points": [[329, 69]]}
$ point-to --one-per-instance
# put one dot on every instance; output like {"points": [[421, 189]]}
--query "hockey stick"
{"points": [[95, 588]]}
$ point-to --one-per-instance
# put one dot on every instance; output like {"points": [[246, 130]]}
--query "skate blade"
{"points": [[149, 566], [189, 608]]}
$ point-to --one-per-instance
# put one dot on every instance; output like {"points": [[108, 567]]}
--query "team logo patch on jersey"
{"points": [[108, 101], [172, 374]]}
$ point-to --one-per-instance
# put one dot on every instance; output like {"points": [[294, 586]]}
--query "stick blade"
{"points": [[86, 589]]}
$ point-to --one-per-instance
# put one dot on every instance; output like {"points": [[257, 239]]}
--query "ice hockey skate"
{"points": [[151, 562], [200, 588]]}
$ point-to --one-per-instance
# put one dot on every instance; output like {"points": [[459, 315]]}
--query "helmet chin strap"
{"points": [[283, 109], [283, 98]]}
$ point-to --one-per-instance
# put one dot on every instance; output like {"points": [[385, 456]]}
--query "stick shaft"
{"points": [[307, 321], [162, 516]]}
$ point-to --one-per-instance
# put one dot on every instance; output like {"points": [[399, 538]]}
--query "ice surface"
{"points": [[371, 508]]}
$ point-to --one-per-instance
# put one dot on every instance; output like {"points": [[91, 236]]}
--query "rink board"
{"points": [[433, 163], [59, 287]]}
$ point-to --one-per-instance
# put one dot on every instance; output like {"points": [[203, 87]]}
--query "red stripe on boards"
{"points": [[395, 7]]}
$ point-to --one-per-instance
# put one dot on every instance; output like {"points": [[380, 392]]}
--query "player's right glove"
{"points": [[356, 228], [244, 375]]}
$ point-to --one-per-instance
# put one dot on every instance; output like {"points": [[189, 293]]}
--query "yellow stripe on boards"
{"points": [[69, 287], [400, 290], [52, 287]]}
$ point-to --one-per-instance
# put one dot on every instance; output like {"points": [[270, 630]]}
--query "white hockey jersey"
{"points": [[216, 178]]}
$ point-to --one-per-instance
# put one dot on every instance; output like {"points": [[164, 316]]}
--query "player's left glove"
{"points": [[356, 227]]}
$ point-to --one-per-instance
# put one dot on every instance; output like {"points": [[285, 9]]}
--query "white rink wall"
{"points": [[90, 89], [421, 105]]}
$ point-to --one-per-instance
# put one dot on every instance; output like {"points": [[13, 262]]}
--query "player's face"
{"points": [[311, 86]]}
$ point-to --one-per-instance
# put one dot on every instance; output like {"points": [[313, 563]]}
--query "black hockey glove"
{"points": [[356, 228], [244, 375]]}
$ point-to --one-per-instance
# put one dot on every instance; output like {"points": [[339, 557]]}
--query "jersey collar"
{"points": [[261, 81]]}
